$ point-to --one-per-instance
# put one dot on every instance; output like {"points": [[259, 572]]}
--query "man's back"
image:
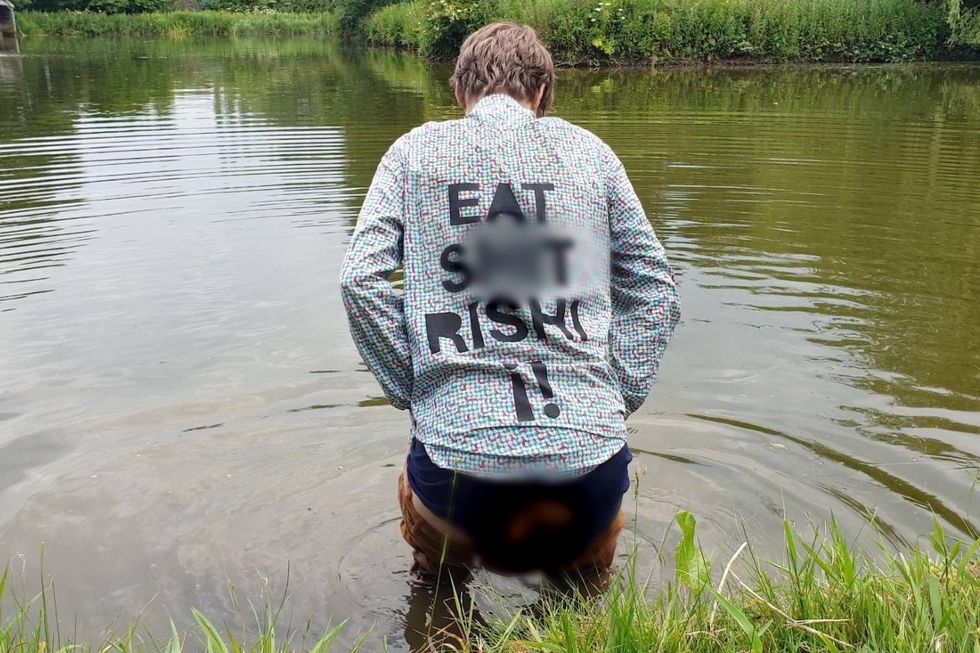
{"points": [[522, 244]]}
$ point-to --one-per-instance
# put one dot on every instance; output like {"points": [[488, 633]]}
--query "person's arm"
{"points": [[645, 303], [374, 308]]}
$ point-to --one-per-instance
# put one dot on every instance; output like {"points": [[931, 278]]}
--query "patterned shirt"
{"points": [[536, 303]]}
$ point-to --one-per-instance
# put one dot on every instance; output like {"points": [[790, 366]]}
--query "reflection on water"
{"points": [[182, 407]]}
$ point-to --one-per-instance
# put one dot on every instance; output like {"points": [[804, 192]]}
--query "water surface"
{"points": [[183, 414]]}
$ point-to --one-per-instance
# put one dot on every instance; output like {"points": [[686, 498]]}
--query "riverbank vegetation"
{"points": [[577, 31], [703, 30], [822, 596], [176, 24]]}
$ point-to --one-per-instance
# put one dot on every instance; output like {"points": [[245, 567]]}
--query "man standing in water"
{"points": [[537, 304]]}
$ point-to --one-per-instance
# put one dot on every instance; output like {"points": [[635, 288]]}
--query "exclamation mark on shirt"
{"points": [[541, 375], [522, 405]]}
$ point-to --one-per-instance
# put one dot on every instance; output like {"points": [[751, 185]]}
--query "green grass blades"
{"points": [[823, 596], [32, 626]]}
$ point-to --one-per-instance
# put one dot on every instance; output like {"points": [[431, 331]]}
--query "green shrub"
{"points": [[401, 25], [431, 27], [353, 13], [449, 22]]}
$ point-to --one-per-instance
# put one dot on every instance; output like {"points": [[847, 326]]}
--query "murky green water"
{"points": [[180, 404]]}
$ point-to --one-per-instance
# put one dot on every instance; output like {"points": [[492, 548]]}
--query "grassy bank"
{"points": [[822, 596], [175, 24], [699, 30]]}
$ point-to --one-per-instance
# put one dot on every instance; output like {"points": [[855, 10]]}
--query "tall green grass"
{"points": [[823, 595], [665, 30], [32, 625], [175, 24]]}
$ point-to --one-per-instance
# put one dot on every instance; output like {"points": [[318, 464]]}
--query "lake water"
{"points": [[183, 413]]}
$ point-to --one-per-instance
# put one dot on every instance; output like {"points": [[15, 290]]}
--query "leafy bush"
{"points": [[449, 22], [431, 27]]}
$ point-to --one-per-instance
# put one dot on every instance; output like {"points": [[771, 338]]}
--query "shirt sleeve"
{"points": [[645, 303], [375, 310]]}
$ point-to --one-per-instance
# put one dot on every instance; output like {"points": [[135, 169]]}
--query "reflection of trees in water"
{"points": [[286, 83], [31, 238], [317, 84], [850, 189], [11, 70], [842, 194], [42, 217], [302, 83]]}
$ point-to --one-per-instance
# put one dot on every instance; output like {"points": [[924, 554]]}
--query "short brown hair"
{"points": [[505, 58]]}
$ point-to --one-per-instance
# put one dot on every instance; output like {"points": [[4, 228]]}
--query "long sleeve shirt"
{"points": [[499, 383]]}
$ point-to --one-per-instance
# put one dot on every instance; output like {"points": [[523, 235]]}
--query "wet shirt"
{"points": [[536, 302]]}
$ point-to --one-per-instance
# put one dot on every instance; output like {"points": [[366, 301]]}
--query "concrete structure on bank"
{"points": [[8, 26]]}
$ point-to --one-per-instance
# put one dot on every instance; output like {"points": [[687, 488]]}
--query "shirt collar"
{"points": [[500, 106]]}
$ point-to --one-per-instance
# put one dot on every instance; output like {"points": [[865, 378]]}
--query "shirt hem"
{"points": [[502, 465]]}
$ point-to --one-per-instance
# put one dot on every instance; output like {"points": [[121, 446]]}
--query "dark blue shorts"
{"points": [[486, 509]]}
